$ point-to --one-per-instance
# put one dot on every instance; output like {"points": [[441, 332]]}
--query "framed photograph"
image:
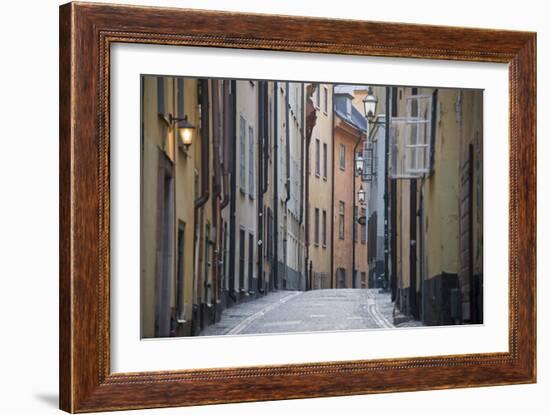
{"points": [[258, 207]]}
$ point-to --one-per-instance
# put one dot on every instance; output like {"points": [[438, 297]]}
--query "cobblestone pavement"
{"points": [[299, 311]]}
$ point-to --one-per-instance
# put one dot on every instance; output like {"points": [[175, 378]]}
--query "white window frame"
{"points": [[413, 157]]}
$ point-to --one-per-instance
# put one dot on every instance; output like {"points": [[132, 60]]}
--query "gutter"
{"points": [[232, 101], [275, 265], [205, 154], [287, 120]]}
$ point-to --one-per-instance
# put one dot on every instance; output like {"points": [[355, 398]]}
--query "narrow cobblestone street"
{"points": [[305, 311]]}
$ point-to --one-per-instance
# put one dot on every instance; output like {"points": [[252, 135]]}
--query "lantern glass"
{"points": [[359, 165], [361, 195], [370, 102], [186, 135]]}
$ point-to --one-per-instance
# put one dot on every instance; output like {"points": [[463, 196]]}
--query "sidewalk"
{"points": [[386, 308]]}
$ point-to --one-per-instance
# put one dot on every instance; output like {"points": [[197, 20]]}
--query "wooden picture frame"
{"points": [[86, 33]]}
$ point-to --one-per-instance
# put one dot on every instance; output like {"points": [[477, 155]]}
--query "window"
{"points": [[324, 229], [348, 107], [160, 96], [411, 139], [242, 155], [325, 99], [316, 227], [180, 272], [369, 161], [325, 160], [242, 244], [363, 279], [317, 157], [363, 227], [251, 162], [318, 96], [341, 220], [180, 98], [342, 157]]}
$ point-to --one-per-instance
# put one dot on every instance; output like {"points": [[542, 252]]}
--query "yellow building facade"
{"points": [[437, 217], [169, 176], [320, 188]]}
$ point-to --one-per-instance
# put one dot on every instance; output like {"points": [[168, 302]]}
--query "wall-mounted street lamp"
{"points": [[184, 130], [359, 163], [361, 195], [370, 102]]}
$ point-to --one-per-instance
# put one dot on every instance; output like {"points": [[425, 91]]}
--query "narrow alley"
{"points": [[306, 311]]}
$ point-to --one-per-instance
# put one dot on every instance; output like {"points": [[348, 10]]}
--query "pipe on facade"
{"points": [[275, 265], [306, 207], [226, 147], [332, 273], [205, 154], [302, 145], [386, 190], [260, 204], [216, 191], [288, 180], [287, 142], [216, 140], [201, 201], [265, 136], [353, 209], [232, 127]]}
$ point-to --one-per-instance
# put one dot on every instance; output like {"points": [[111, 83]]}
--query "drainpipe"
{"points": [[232, 101], [216, 182], [265, 142], [205, 156], [260, 203], [353, 210], [226, 144], [302, 194], [332, 273], [275, 265], [306, 197], [200, 201], [386, 191], [288, 182], [302, 145], [287, 142]]}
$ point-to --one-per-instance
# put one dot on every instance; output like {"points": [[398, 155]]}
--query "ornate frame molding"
{"points": [[86, 33]]}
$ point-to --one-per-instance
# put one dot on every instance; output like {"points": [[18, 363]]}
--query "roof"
{"points": [[356, 119]]}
